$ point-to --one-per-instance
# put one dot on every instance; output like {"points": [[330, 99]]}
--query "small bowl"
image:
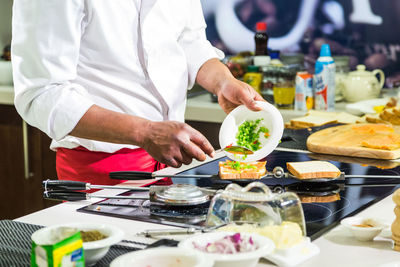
{"points": [[363, 233], [272, 120], [248, 259], [94, 250], [163, 256]]}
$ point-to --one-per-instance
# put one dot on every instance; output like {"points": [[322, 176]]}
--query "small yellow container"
{"points": [[253, 78], [284, 96]]}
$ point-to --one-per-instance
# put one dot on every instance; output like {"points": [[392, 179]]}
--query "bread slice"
{"points": [[241, 170], [390, 116], [311, 121], [375, 118], [346, 118], [318, 118], [319, 199], [313, 169]]}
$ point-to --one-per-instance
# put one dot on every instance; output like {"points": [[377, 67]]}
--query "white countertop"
{"points": [[337, 247], [6, 95]]}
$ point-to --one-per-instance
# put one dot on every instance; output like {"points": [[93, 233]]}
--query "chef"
{"points": [[107, 81]]}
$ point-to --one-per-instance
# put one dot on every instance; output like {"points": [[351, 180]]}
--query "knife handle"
{"points": [[65, 195], [65, 185], [131, 175]]}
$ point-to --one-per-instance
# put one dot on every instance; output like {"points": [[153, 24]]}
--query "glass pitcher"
{"points": [[254, 204]]}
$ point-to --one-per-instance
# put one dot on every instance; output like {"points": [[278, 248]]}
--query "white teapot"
{"points": [[361, 84]]}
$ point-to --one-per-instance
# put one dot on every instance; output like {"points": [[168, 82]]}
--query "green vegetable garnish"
{"points": [[236, 165], [249, 133]]}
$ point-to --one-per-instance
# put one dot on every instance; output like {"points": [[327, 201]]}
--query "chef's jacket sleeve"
{"points": [[194, 42], [45, 49]]}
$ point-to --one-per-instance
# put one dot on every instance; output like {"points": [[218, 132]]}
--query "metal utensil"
{"points": [[176, 195], [137, 175], [76, 196], [322, 188], [279, 172], [240, 150], [182, 231], [76, 185]]}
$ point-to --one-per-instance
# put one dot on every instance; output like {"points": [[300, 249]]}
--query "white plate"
{"points": [[295, 255], [162, 256], [272, 120], [366, 106], [391, 264]]}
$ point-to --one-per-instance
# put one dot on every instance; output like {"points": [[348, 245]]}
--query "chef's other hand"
{"points": [[233, 93], [175, 143]]}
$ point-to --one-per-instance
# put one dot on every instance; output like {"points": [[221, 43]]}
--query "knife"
{"points": [[137, 175]]}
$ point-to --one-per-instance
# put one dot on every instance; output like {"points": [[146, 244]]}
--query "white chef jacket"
{"points": [[137, 57]]}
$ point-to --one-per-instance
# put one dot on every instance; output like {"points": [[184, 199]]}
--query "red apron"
{"points": [[80, 164]]}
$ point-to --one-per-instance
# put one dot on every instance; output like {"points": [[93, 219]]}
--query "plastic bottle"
{"points": [[261, 39], [275, 61], [324, 80], [253, 77]]}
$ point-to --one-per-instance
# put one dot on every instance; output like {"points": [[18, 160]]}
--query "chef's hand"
{"points": [[233, 93], [175, 143], [216, 78]]}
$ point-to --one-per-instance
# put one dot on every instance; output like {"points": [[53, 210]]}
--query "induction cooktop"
{"points": [[355, 193]]}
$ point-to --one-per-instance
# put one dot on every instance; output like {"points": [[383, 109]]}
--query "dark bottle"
{"points": [[261, 39]]}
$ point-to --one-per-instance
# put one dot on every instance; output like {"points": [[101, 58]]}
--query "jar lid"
{"points": [[252, 68], [361, 71], [261, 60]]}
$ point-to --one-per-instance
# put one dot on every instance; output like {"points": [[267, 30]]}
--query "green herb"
{"points": [[249, 133], [236, 165]]}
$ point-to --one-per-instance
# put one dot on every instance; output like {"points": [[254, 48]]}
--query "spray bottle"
{"points": [[324, 80]]}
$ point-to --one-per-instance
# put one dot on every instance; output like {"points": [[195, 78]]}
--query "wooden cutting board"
{"points": [[344, 140]]}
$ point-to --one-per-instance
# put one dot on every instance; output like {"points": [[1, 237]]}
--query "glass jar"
{"points": [[342, 69], [284, 88], [268, 80]]}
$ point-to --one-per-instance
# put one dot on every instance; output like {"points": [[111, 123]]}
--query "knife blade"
{"points": [[137, 175]]}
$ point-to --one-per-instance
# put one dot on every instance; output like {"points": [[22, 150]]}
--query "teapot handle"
{"points": [[381, 77]]}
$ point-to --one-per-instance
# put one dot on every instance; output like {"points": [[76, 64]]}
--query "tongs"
{"points": [[76, 185], [63, 190], [76, 196]]}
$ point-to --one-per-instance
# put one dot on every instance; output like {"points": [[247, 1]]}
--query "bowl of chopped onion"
{"points": [[229, 249], [259, 131]]}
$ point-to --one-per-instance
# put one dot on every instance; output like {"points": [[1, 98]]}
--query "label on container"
{"points": [[324, 84], [304, 98], [60, 247]]}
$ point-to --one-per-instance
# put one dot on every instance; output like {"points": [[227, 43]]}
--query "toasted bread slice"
{"points": [[319, 199], [375, 118], [241, 170], [396, 111], [390, 116], [313, 169]]}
